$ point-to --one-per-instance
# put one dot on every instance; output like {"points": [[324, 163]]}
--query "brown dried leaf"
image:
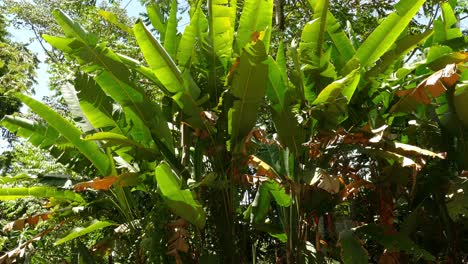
{"points": [[255, 36], [263, 169], [12, 255], [386, 210], [324, 181], [410, 149], [177, 240], [21, 223], [246, 179], [354, 187], [389, 258], [434, 85], [97, 184]]}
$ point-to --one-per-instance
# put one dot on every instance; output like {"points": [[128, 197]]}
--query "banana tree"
{"points": [[199, 141]]}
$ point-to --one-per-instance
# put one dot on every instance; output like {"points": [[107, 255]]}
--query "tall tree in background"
{"points": [[17, 73], [17, 70]]}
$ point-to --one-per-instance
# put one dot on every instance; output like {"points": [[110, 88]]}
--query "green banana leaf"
{"points": [[119, 140], [73, 29], [283, 118], [39, 192], [281, 62], [146, 116], [402, 47], [96, 105], [385, 35], [40, 135], [70, 97], [338, 36], [156, 17], [192, 35], [92, 57], [113, 19], [16, 178], [169, 74], [112, 78], [318, 70], [46, 137], [345, 86], [248, 88], [221, 25], [159, 60], [181, 202], [70, 132], [443, 28], [261, 205], [78, 232], [145, 71], [256, 17], [330, 106], [394, 241]]}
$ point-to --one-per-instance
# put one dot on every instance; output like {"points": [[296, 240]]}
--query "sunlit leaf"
{"points": [[39, 192], [181, 202], [248, 87], [78, 232], [256, 17], [112, 18], [70, 132], [221, 25], [385, 35]]}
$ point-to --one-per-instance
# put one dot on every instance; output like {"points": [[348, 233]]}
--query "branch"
{"points": [[38, 38]]}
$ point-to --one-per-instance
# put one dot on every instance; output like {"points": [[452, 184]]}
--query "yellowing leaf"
{"points": [[263, 169]]}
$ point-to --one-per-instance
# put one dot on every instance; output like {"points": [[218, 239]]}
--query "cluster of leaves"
{"points": [[360, 147]]}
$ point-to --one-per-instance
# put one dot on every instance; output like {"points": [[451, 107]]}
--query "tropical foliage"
{"points": [[227, 144]]}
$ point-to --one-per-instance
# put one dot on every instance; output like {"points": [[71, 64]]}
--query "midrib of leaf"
{"points": [[252, 22], [370, 50], [116, 80], [213, 54], [70, 132], [323, 21], [173, 80], [242, 101]]}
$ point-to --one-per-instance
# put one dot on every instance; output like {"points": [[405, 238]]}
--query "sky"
{"points": [[133, 7]]}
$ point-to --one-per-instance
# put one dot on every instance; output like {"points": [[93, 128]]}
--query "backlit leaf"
{"points": [[78, 232], [385, 35], [248, 87], [256, 17]]}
